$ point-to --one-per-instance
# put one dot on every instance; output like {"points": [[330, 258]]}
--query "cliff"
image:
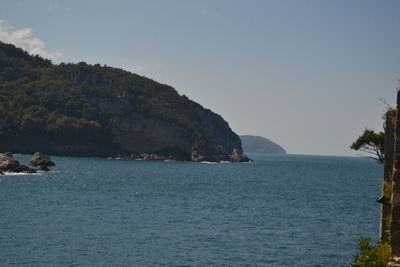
{"points": [[93, 110], [259, 144]]}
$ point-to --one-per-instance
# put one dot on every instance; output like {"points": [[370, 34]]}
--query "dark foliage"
{"points": [[41, 100], [372, 144]]}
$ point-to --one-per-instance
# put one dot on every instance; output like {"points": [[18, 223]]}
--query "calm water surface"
{"points": [[279, 211]]}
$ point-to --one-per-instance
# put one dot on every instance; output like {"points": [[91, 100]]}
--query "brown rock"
{"points": [[8, 163], [9, 154], [237, 156], [40, 159]]}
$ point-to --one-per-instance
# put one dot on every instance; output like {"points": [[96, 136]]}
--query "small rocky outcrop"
{"points": [[237, 156], [42, 161], [196, 157], [7, 162], [10, 164]]}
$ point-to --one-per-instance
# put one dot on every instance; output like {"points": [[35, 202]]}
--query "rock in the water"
{"points": [[196, 157], [43, 168], [23, 168], [1, 173], [237, 156], [10, 164], [40, 159], [9, 154]]}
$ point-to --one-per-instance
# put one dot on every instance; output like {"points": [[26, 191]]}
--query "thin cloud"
{"points": [[24, 39]]}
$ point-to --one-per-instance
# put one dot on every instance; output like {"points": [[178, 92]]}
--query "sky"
{"points": [[307, 74]]}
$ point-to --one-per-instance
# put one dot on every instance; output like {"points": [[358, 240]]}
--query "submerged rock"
{"points": [[41, 160]]}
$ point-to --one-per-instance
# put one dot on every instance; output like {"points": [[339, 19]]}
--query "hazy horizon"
{"points": [[307, 75]]}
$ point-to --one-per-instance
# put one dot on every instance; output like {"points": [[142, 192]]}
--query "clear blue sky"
{"points": [[306, 74]]}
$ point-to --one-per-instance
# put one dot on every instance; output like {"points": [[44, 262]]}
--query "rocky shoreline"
{"points": [[8, 164], [42, 162], [147, 156], [234, 157]]}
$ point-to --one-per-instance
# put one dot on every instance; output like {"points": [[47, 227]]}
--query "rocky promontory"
{"points": [[93, 110]]}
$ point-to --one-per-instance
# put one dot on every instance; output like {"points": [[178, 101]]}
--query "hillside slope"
{"points": [[259, 144], [93, 110]]}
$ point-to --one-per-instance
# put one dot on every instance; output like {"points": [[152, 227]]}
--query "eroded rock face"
{"points": [[10, 164], [222, 145], [140, 134], [237, 156], [41, 160]]}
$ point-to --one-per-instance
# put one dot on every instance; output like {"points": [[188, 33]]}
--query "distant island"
{"points": [[93, 110], [259, 144]]}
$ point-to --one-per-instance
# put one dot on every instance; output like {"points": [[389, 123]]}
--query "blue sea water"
{"points": [[279, 211]]}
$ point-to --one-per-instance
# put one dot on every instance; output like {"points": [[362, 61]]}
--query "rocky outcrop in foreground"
{"points": [[9, 164], [42, 161]]}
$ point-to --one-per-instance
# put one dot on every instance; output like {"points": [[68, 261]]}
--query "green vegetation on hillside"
{"points": [[41, 100], [371, 256]]}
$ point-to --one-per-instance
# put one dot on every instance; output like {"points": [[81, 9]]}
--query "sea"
{"points": [[286, 210]]}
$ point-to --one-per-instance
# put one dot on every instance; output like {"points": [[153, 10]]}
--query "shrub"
{"points": [[371, 256]]}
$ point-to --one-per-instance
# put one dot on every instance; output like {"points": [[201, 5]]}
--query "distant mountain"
{"points": [[259, 144]]}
